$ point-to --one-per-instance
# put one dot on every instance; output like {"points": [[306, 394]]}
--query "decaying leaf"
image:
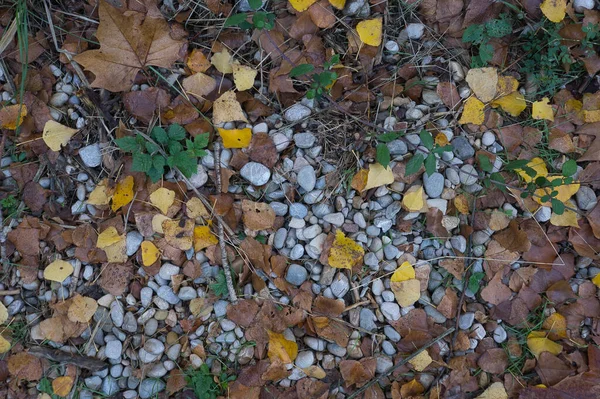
{"points": [[222, 61], [179, 233], [281, 349], [302, 5], [61, 386], [3, 313], [194, 209], [114, 244], [494, 391], [258, 215], [236, 138], [56, 135], [538, 165], [421, 361], [149, 253], [370, 31], [162, 198], [25, 366], [58, 271], [102, 193], [473, 112], [513, 103], [82, 309], [513, 238], [483, 82], [4, 345], [199, 85], [203, 238], [227, 109], [414, 199], [243, 76], [197, 61], [123, 193], [12, 116], [345, 253]]}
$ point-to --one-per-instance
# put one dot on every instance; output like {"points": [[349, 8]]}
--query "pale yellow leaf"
{"points": [[236, 138], [513, 103], [302, 5], [199, 85], [565, 191], [82, 309], [56, 135], [494, 391], [414, 199], [568, 218], [123, 193], [536, 164], [556, 326], [162, 198], [483, 82], [62, 385], [149, 253], [179, 235], [3, 313], [113, 244], [194, 209], [554, 10], [157, 222], [404, 272], [473, 112], [222, 61], [281, 348], [203, 238], [102, 193], [506, 85], [227, 109], [542, 110], [315, 372], [378, 176], [4, 345], [243, 76], [421, 361], [406, 292], [537, 342], [370, 31], [345, 253], [108, 237], [58, 271]]}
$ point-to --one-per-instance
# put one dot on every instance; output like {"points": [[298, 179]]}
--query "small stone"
{"points": [[260, 128], [360, 221], [150, 387], [59, 99], [297, 252], [543, 214], [459, 243], [167, 271], [316, 344], [435, 314], [392, 46], [462, 148], [586, 198], [434, 184], [166, 293], [93, 382], [91, 155], [281, 141], [305, 359], [367, 319], [340, 285], [296, 274], [384, 363], [488, 138], [388, 348], [129, 323], [296, 113], [377, 287], [304, 140], [146, 294], [500, 334], [468, 175], [133, 242], [397, 147], [336, 219], [414, 114], [390, 310], [307, 178], [113, 349], [465, 321], [431, 97], [357, 7], [391, 333], [256, 173], [415, 31], [227, 325], [110, 386], [199, 178], [582, 5], [280, 237], [187, 293], [116, 313]]}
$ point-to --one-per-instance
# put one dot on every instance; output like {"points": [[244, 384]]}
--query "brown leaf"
{"points": [[258, 215], [115, 278], [593, 151], [312, 389], [513, 238], [176, 381], [322, 14], [496, 257], [354, 372], [329, 307], [144, 103], [496, 292], [448, 306], [493, 361], [434, 218], [25, 366], [243, 312], [34, 196], [560, 141], [456, 267], [448, 93], [262, 150], [593, 217], [584, 241], [551, 369], [510, 136], [128, 42]]}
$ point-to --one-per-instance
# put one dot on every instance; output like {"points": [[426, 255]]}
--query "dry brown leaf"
{"points": [[513, 238], [128, 42], [82, 309], [483, 82], [25, 366], [258, 215], [227, 109], [199, 85]]}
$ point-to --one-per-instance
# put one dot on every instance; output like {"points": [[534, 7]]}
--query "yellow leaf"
{"points": [[163, 198], [538, 343], [568, 218], [123, 193], [591, 116], [565, 191], [406, 292], [514, 103], [113, 244], [339, 4], [179, 235], [414, 199], [472, 112], [359, 181], [378, 176], [441, 140], [82, 309], [12, 116], [243, 76], [108, 237], [4, 345], [149, 253], [302, 5], [236, 138], [203, 238], [282, 349], [556, 325], [536, 164], [199, 85], [56, 135], [542, 110], [58, 271], [3, 313], [222, 61], [315, 372], [483, 82], [404, 272], [506, 85], [62, 385], [494, 391], [596, 280], [157, 223], [101, 194], [194, 209], [369, 31], [421, 361], [227, 109], [554, 10], [345, 253]]}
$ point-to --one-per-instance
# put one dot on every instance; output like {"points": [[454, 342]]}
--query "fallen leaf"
{"points": [[3, 313], [565, 191], [494, 391], [102, 193], [513, 103], [506, 85], [370, 31], [116, 278], [538, 165], [406, 292], [12, 116], [537, 342], [302, 5], [421, 361], [315, 372], [356, 372], [243, 76], [61, 386], [123, 193], [567, 218], [149, 253], [236, 138], [195, 209], [345, 253], [113, 244], [222, 61], [199, 85], [56, 135], [162, 198], [128, 43], [414, 199], [82, 309], [179, 233], [554, 10], [378, 176], [227, 109], [513, 238], [203, 238], [58, 271], [157, 223], [258, 215], [556, 326], [281, 348], [339, 4], [455, 267], [404, 272], [197, 61], [4, 345], [542, 110], [25, 366], [472, 112], [483, 82]]}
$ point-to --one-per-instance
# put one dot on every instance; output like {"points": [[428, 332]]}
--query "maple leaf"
{"points": [[128, 42]]}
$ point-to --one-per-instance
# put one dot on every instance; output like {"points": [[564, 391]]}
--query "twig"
{"points": [[9, 292], [56, 355], [401, 363], [221, 235]]}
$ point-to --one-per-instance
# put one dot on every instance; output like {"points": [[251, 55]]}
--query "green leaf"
{"points": [[174, 147], [486, 53], [155, 174], [141, 162], [301, 69], [569, 168], [473, 34], [485, 163], [176, 132], [235, 20], [557, 206], [530, 171], [159, 162], [255, 4], [387, 137], [568, 180], [426, 139], [541, 181], [414, 164], [474, 280], [498, 180], [383, 155], [430, 164], [186, 163], [129, 144], [151, 147], [160, 135], [201, 141]]}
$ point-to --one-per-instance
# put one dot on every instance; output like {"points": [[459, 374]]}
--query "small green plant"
{"points": [[475, 282], [219, 287], [592, 33], [9, 205], [207, 386], [322, 81], [429, 161], [181, 152], [480, 35], [382, 154], [260, 19]]}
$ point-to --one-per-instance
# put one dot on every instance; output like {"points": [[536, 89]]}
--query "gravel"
{"points": [[151, 387], [368, 319], [434, 184], [113, 349], [296, 113], [91, 156], [256, 173], [307, 178], [304, 140], [390, 310], [415, 31], [296, 274], [462, 148]]}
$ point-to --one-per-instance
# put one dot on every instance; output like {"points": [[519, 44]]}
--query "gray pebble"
{"points": [[304, 140], [91, 155], [256, 173], [296, 274]]}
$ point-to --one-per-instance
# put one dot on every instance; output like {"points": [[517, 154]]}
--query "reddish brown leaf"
{"points": [[448, 93], [262, 150], [144, 103], [513, 238], [493, 361]]}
